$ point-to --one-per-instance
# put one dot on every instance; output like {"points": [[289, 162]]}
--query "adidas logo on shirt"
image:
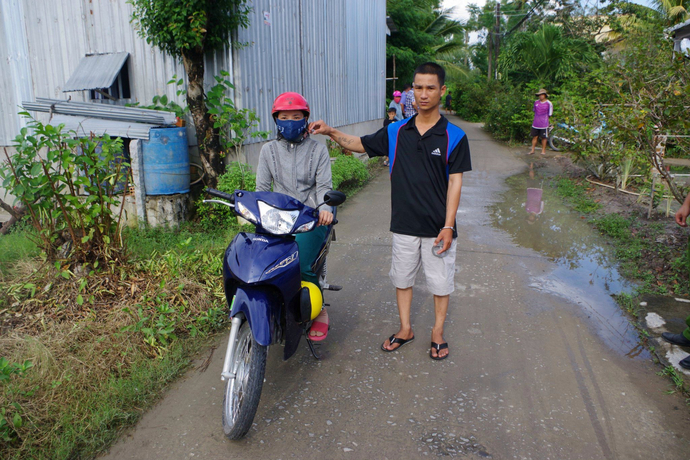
{"points": [[436, 152]]}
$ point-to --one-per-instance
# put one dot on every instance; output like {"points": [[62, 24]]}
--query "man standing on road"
{"points": [[682, 339], [428, 156]]}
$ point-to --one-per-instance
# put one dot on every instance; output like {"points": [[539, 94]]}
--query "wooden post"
{"points": [[651, 197], [138, 178], [394, 76]]}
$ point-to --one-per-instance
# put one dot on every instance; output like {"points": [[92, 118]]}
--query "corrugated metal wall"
{"points": [[331, 50], [15, 75]]}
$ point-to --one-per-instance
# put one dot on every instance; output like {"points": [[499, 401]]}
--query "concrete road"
{"points": [[541, 365]]}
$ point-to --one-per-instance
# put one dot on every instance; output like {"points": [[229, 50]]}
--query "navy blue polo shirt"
{"points": [[419, 168]]}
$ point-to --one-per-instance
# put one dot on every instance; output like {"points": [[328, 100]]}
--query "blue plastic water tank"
{"points": [[166, 161]]}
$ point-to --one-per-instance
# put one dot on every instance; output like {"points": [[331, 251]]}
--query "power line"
{"points": [[525, 18]]}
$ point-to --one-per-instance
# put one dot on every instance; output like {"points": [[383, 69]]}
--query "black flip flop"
{"points": [[393, 339], [438, 348]]}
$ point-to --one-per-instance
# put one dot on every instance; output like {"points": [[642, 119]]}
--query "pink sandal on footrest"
{"points": [[321, 325]]}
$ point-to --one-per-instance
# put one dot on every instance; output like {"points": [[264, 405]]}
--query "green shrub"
{"points": [[509, 113], [470, 98], [238, 176], [71, 188], [347, 172]]}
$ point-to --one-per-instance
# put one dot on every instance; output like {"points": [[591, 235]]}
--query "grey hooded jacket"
{"points": [[302, 171]]}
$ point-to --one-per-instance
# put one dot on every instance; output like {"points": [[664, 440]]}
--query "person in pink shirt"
{"points": [[543, 109]]}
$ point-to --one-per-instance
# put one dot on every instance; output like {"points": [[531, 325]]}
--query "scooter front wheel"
{"points": [[556, 142], [242, 393]]}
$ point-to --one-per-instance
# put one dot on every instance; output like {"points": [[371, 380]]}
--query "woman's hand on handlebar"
{"points": [[325, 217]]}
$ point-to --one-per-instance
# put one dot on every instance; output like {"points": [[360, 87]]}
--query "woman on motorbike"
{"points": [[300, 167]]}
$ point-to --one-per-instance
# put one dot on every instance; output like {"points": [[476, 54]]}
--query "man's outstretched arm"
{"points": [[347, 141]]}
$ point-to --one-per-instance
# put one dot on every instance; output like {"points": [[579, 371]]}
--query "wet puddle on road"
{"points": [[586, 273]]}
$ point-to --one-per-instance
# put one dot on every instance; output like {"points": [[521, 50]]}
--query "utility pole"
{"points": [[497, 38], [394, 76], [467, 48], [492, 44]]}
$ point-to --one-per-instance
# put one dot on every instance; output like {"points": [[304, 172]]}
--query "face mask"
{"points": [[292, 130]]}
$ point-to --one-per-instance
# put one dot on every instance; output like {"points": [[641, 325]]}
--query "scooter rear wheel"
{"points": [[242, 393]]}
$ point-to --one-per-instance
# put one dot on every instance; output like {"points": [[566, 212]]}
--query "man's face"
{"points": [[428, 91], [397, 99]]}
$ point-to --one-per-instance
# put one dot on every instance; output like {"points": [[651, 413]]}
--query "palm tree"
{"points": [[546, 55], [675, 10], [450, 52]]}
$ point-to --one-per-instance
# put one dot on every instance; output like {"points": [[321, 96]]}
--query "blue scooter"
{"points": [[262, 283]]}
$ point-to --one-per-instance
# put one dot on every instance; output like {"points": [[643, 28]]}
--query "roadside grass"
{"points": [[677, 379], [16, 246], [146, 242], [96, 413], [99, 347], [575, 193]]}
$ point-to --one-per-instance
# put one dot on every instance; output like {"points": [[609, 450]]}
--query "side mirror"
{"points": [[334, 198]]}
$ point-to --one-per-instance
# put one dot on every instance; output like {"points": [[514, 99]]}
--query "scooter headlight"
{"points": [[246, 213], [277, 221]]}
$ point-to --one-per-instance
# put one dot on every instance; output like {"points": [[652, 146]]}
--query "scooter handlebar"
{"points": [[222, 195]]}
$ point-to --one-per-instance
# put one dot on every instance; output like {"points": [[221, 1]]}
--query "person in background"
{"points": [[543, 109], [410, 107], [392, 111], [300, 167], [428, 156], [682, 339], [403, 99], [449, 101], [395, 104]]}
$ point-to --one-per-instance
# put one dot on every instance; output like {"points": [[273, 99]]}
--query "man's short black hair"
{"points": [[431, 68], [407, 86]]}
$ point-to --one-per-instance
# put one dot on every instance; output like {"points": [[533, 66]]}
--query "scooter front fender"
{"points": [[262, 308]]}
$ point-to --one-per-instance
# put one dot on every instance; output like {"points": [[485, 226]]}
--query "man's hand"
{"points": [[320, 127], [446, 235], [325, 217], [682, 215]]}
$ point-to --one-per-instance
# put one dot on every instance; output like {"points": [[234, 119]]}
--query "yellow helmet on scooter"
{"points": [[315, 300]]}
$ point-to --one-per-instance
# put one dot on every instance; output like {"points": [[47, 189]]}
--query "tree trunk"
{"points": [[207, 137], [490, 55], [16, 215]]}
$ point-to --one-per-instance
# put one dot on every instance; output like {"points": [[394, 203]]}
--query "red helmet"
{"points": [[290, 101]]}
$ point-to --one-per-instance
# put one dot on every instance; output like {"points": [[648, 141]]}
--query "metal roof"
{"points": [[98, 110], [84, 126], [96, 71], [678, 26]]}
